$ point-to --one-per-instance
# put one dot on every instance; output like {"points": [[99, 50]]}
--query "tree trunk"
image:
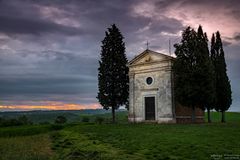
{"points": [[193, 114], [223, 117], [209, 115], [113, 115]]}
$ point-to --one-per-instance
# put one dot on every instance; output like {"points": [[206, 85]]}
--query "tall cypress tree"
{"points": [[205, 72], [223, 87], [184, 68], [113, 72], [193, 71], [213, 56]]}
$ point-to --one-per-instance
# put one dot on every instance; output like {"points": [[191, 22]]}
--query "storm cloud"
{"points": [[49, 50]]}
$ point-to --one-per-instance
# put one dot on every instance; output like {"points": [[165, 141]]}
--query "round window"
{"points": [[149, 80]]}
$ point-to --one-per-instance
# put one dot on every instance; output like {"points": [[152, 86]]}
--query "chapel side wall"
{"points": [[165, 103]]}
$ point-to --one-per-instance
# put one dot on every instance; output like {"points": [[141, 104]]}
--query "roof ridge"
{"points": [[145, 52]]}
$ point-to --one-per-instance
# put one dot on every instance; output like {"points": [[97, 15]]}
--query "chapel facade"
{"points": [[151, 91]]}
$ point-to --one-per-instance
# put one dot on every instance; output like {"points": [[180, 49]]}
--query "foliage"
{"points": [[40, 117], [60, 120], [99, 120], [45, 122], [205, 73], [57, 127], [193, 71], [223, 87], [85, 119], [21, 120], [113, 71]]}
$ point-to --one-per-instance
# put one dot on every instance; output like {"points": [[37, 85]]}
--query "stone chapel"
{"points": [[151, 94]]}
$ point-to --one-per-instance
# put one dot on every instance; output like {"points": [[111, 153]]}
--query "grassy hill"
{"points": [[123, 141], [49, 116]]}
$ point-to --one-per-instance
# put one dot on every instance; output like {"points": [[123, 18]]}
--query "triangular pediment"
{"points": [[149, 56]]}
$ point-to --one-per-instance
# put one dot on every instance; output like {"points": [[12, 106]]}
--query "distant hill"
{"points": [[39, 116]]}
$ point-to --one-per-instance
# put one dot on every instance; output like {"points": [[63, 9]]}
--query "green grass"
{"points": [[122, 141], [230, 117], [23, 130], [25, 142], [144, 141], [31, 142], [35, 147], [150, 141]]}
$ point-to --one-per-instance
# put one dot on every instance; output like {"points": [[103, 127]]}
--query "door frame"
{"points": [[144, 108]]}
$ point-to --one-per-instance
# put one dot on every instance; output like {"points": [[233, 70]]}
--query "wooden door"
{"points": [[150, 108]]}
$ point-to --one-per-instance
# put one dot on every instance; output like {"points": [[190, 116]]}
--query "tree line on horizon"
{"points": [[200, 75]]}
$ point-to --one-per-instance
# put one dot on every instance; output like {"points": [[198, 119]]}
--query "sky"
{"points": [[49, 49]]}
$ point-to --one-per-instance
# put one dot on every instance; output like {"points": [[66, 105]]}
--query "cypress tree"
{"points": [[205, 72], [213, 57], [223, 87], [113, 72], [184, 70], [193, 71]]}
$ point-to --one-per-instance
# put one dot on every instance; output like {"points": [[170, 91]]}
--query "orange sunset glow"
{"points": [[51, 106]]}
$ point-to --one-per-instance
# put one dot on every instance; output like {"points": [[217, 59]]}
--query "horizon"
{"points": [[122, 109], [49, 50]]}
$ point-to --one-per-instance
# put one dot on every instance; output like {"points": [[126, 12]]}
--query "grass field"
{"points": [[123, 140], [25, 143]]}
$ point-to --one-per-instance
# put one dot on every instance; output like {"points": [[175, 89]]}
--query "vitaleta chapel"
{"points": [[151, 93]]}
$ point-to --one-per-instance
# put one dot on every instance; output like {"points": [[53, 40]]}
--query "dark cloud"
{"points": [[165, 24], [237, 37], [12, 25], [24, 17], [226, 43], [234, 38], [49, 85], [51, 73], [49, 50]]}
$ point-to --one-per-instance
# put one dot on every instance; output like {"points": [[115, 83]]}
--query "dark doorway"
{"points": [[150, 108]]}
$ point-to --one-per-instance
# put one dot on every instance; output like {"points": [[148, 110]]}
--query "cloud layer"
{"points": [[49, 50]]}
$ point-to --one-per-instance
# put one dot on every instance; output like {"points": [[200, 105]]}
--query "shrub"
{"points": [[85, 119], [45, 122], [60, 120], [22, 120], [99, 120], [57, 127]]}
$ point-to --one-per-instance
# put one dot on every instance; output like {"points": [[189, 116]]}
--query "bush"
{"points": [[45, 122], [99, 120], [56, 127], [85, 119], [60, 120], [22, 120]]}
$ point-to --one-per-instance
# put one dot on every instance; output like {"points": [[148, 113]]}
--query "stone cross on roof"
{"points": [[147, 45]]}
